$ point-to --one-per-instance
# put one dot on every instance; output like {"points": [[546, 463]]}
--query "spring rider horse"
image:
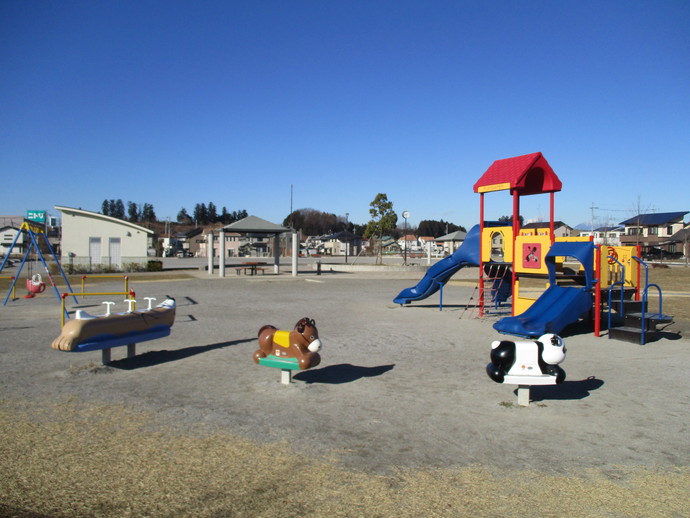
{"points": [[533, 362], [289, 350]]}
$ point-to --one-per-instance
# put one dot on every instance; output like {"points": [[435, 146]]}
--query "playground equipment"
{"points": [[289, 350], [437, 276], [539, 256], [34, 284], [527, 363], [90, 333], [558, 306], [440, 273], [130, 296]]}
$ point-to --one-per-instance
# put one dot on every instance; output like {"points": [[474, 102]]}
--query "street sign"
{"points": [[36, 216]]}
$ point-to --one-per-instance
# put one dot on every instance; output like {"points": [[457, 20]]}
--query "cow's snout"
{"points": [[315, 346]]}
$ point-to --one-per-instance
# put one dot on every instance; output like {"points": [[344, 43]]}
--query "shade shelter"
{"points": [[248, 225]]}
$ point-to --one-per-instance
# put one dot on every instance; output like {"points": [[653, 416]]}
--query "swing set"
{"points": [[34, 281]]}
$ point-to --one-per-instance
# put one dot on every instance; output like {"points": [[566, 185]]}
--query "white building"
{"points": [[102, 242]]}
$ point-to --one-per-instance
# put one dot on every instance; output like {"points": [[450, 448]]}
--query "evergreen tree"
{"points": [[183, 218], [119, 211], [132, 212], [212, 213], [147, 213]]}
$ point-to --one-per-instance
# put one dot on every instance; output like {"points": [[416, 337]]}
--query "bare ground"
{"points": [[399, 420]]}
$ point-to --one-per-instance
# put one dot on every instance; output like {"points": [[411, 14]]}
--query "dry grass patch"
{"points": [[63, 459]]}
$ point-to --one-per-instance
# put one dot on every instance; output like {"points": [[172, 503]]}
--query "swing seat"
{"points": [[35, 285]]}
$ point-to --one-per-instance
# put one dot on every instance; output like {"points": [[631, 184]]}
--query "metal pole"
{"points": [[294, 253], [209, 251], [221, 253], [347, 237]]}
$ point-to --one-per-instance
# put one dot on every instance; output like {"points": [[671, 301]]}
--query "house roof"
{"points": [[458, 235], [526, 174], [254, 225], [658, 218], [545, 224], [70, 211]]}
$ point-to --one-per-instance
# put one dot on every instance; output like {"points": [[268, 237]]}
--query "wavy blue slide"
{"points": [[556, 308], [439, 273]]}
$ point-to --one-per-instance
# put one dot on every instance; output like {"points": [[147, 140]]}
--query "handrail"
{"points": [[610, 290], [645, 298], [130, 294], [83, 280]]}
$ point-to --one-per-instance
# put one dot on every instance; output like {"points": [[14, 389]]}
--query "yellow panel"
{"points": [[611, 271], [494, 187], [530, 252], [522, 304], [502, 251]]}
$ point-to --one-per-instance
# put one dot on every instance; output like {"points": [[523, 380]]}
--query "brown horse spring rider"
{"points": [[301, 343]]}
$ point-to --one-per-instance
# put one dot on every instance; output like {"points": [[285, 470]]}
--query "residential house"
{"points": [[451, 242], [560, 229], [610, 236], [342, 243], [7, 236], [654, 233], [409, 242]]}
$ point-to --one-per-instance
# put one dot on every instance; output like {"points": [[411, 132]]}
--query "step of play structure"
{"points": [[628, 305], [629, 328], [652, 319], [628, 334]]}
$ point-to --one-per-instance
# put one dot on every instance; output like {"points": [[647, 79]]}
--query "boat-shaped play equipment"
{"points": [[90, 333]]}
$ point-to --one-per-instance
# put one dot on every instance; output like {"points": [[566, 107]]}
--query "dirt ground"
{"points": [[400, 418]]}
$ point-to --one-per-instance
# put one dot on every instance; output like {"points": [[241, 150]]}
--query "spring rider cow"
{"points": [[289, 350], [527, 363]]}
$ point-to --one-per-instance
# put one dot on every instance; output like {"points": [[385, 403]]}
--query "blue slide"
{"points": [[558, 306], [439, 273]]}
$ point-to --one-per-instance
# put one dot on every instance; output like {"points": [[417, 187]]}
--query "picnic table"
{"points": [[252, 267]]}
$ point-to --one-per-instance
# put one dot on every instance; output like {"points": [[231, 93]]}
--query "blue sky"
{"points": [[175, 103]]}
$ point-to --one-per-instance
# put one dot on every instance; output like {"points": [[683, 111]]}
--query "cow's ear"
{"points": [[312, 323]]}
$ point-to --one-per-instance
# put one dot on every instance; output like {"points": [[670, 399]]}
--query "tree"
{"points": [[117, 209], [312, 222], [132, 212], [212, 213], [200, 214], [147, 213], [105, 208], [183, 217], [384, 220], [430, 227], [509, 219]]}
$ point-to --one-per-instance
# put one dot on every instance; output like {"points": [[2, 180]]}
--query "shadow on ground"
{"points": [[566, 390], [341, 373], [152, 358]]}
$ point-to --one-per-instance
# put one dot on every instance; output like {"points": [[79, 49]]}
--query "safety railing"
{"points": [[84, 277], [645, 298], [621, 307], [129, 294]]}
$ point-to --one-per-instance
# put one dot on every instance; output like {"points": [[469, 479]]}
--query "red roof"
{"points": [[526, 174]]}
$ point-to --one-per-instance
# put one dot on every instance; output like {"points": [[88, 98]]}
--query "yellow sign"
{"points": [[494, 187]]}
